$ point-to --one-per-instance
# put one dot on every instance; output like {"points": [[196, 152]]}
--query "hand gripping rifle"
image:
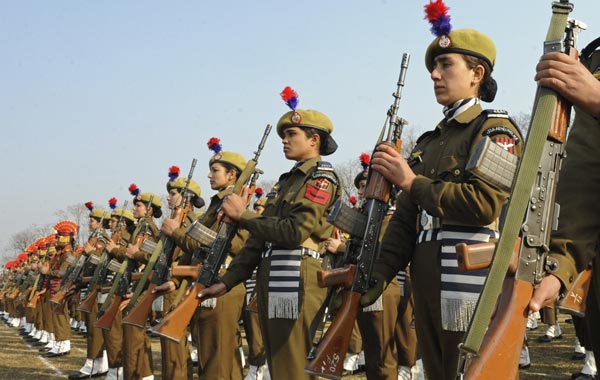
{"points": [[73, 279], [364, 226], [492, 345], [174, 324], [110, 307], [101, 270], [159, 263]]}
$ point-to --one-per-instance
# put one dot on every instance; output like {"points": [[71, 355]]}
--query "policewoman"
{"points": [[96, 362], [442, 203], [175, 357], [121, 225], [287, 240], [214, 327], [137, 351]]}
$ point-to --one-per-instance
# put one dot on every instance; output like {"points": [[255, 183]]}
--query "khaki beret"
{"points": [[309, 119], [116, 213], [463, 41], [145, 197], [98, 213], [180, 182], [232, 158]]}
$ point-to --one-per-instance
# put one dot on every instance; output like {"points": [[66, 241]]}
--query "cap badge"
{"points": [[296, 118], [444, 41], [217, 156]]}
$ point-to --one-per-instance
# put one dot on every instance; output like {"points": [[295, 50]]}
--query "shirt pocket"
{"points": [[452, 168]]}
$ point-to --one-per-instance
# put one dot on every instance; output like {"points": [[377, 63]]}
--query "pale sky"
{"points": [[95, 95]]}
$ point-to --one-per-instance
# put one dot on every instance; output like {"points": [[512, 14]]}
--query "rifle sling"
{"points": [[519, 198]]}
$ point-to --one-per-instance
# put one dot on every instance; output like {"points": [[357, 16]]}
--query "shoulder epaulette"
{"points": [[324, 166], [325, 170]]}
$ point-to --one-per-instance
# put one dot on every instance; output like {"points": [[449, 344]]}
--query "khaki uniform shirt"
{"points": [[443, 188], [295, 216]]}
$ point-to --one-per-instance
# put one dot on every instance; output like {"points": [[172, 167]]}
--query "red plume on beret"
{"points": [[258, 192], [365, 160], [112, 203], [133, 189], [436, 12], [173, 173], [214, 144], [290, 97], [89, 205], [352, 200]]}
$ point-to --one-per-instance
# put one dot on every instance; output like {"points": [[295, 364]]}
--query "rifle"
{"points": [[72, 280], [160, 261], [327, 356], [174, 324], [110, 307], [492, 345], [101, 270]]}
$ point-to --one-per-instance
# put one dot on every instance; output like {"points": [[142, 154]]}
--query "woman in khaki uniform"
{"points": [[96, 363], [175, 357], [215, 326], [575, 244], [286, 242], [442, 203], [137, 351], [113, 338]]}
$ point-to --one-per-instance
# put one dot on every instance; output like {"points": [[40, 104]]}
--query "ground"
{"points": [[20, 361]]}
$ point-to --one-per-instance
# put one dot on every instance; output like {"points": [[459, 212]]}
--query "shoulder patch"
{"points": [[324, 166], [317, 195], [331, 177], [500, 130]]}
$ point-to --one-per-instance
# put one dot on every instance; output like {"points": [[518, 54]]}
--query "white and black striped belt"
{"points": [[303, 250]]}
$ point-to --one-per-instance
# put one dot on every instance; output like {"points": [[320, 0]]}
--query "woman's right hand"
{"points": [[216, 290]]}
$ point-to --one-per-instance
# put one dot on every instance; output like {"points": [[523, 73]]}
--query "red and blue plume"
{"points": [[290, 97], [133, 189], [352, 200], [214, 144], [436, 12], [173, 173], [365, 160], [89, 205], [112, 203], [258, 192]]}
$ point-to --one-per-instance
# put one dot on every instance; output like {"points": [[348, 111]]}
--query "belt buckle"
{"points": [[426, 221]]}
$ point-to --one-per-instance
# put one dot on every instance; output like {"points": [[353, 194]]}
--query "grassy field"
{"points": [[20, 361]]}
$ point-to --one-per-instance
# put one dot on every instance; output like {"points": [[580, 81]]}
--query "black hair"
{"points": [[229, 167], [488, 86]]}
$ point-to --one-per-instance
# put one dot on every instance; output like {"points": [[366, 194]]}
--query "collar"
{"points": [[460, 106], [304, 166], [223, 192]]}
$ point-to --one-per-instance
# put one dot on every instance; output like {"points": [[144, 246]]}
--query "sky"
{"points": [[96, 95]]}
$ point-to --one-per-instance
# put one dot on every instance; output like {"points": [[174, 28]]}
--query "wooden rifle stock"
{"points": [[327, 357], [138, 315], [173, 326], [34, 300], [479, 256], [337, 277], [87, 304], [574, 301], [108, 317], [188, 271]]}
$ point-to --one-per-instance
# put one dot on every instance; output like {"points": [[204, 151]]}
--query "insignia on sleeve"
{"points": [[316, 195], [507, 143], [322, 184], [330, 177], [501, 130]]}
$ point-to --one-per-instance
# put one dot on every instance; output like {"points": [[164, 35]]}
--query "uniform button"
{"points": [[456, 172], [432, 171], [441, 143], [570, 279]]}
